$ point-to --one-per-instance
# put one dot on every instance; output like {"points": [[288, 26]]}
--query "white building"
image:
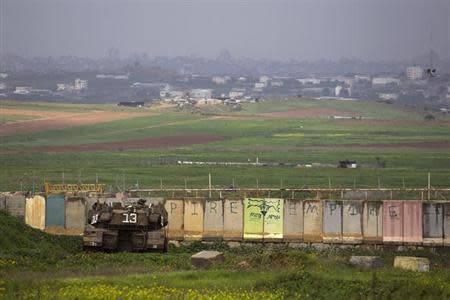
{"points": [[264, 79], [414, 73], [260, 85], [3, 75], [362, 78], [80, 84], [201, 94], [242, 79], [22, 90], [219, 80], [388, 96], [337, 90], [63, 87], [276, 83], [309, 80], [385, 80], [2, 86], [236, 93]]}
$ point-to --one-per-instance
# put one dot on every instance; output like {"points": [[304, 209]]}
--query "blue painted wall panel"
{"points": [[55, 211]]}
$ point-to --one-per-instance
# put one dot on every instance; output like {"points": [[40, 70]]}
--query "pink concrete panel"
{"points": [[392, 222], [412, 222]]}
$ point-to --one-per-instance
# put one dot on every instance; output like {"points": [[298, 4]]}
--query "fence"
{"points": [[236, 178]]}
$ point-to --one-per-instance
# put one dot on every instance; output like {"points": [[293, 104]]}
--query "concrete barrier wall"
{"points": [[2, 202], [15, 205], [293, 220], [312, 221], [332, 221], [393, 222], [75, 214], [55, 211], [213, 220], [412, 222], [35, 212], [268, 219], [175, 211], [273, 219], [373, 222], [433, 223], [253, 218], [233, 220], [193, 218], [447, 224], [352, 222]]}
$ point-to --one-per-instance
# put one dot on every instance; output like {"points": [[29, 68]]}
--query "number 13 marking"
{"points": [[130, 218]]}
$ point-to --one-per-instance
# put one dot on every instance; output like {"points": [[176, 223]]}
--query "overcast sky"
{"points": [[303, 29]]}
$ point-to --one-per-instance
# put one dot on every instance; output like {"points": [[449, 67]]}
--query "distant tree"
{"points": [[429, 117], [344, 93]]}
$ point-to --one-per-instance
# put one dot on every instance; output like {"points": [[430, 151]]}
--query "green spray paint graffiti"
{"points": [[263, 218]]}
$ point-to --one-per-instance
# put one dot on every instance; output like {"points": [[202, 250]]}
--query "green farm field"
{"points": [[302, 144]]}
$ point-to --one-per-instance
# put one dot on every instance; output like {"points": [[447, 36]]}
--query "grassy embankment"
{"points": [[37, 265]]}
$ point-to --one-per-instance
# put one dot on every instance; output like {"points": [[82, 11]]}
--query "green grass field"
{"points": [[247, 135], [36, 265]]}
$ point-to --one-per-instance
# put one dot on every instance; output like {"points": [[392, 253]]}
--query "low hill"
{"points": [[19, 239]]}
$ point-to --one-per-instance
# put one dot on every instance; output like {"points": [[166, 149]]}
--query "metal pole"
{"points": [[96, 178], [63, 177], [233, 182], [33, 183], [379, 184], [160, 183], [123, 181], [209, 179], [429, 185]]}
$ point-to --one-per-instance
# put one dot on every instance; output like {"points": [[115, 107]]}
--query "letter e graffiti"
{"points": [[393, 211], [233, 207], [212, 207], [173, 206]]}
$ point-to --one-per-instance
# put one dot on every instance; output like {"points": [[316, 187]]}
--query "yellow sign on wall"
{"points": [[82, 187], [263, 218]]}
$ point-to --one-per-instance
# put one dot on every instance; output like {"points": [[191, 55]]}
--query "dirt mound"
{"points": [[61, 120], [311, 113], [147, 143]]}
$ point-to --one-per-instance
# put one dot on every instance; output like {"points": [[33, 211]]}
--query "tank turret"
{"points": [[126, 227]]}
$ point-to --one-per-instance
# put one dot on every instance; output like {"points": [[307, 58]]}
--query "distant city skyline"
{"points": [[396, 30]]}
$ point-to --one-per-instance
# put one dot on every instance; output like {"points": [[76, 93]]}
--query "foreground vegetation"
{"points": [[36, 265]]}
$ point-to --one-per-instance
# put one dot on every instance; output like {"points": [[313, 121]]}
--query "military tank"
{"points": [[136, 227]]}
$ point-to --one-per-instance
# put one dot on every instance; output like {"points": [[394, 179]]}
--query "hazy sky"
{"points": [[277, 29]]}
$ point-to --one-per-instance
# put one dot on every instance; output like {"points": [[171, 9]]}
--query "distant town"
{"points": [[185, 84]]}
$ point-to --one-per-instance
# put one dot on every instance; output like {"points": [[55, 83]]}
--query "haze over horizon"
{"points": [[381, 30]]}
